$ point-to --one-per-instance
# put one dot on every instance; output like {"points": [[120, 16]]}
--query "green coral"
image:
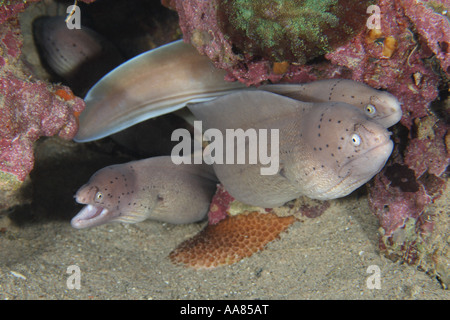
{"points": [[288, 29], [274, 19]]}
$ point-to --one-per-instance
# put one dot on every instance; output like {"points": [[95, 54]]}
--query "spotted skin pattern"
{"points": [[326, 150], [153, 188]]}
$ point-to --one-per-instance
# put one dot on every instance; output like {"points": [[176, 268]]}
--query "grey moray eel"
{"points": [[79, 56], [326, 150], [170, 77], [378, 105], [331, 143], [152, 188]]}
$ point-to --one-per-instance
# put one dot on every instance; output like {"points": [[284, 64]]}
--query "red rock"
{"points": [[220, 204], [29, 107], [432, 26]]}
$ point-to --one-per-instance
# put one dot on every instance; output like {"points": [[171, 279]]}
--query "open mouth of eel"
{"points": [[91, 216]]}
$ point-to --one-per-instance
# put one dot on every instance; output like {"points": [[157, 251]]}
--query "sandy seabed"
{"points": [[322, 258]]}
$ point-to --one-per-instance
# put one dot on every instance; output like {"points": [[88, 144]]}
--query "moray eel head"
{"points": [[384, 108], [104, 196], [349, 144]]}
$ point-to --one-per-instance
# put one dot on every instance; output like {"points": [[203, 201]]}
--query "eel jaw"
{"points": [[390, 119], [91, 216]]}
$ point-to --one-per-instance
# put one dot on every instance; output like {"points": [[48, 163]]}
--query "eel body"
{"points": [[80, 57], [322, 151], [152, 188], [325, 150], [377, 105], [154, 83], [168, 78]]}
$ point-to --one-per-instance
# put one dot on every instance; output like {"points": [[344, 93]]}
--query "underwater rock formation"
{"points": [[434, 29], [30, 108]]}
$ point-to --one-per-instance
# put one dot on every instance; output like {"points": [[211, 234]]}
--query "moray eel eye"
{"points": [[370, 109], [356, 140], [98, 196]]}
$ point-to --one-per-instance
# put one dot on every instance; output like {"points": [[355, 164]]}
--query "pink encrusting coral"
{"points": [[408, 74], [405, 74], [431, 20], [220, 204], [11, 10], [408, 56], [29, 108], [200, 25]]}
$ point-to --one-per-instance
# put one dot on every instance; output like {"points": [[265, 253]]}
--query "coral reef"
{"points": [[30, 108], [230, 240], [414, 178], [408, 56], [200, 24], [294, 31], [414, 220], [433, 30]]}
